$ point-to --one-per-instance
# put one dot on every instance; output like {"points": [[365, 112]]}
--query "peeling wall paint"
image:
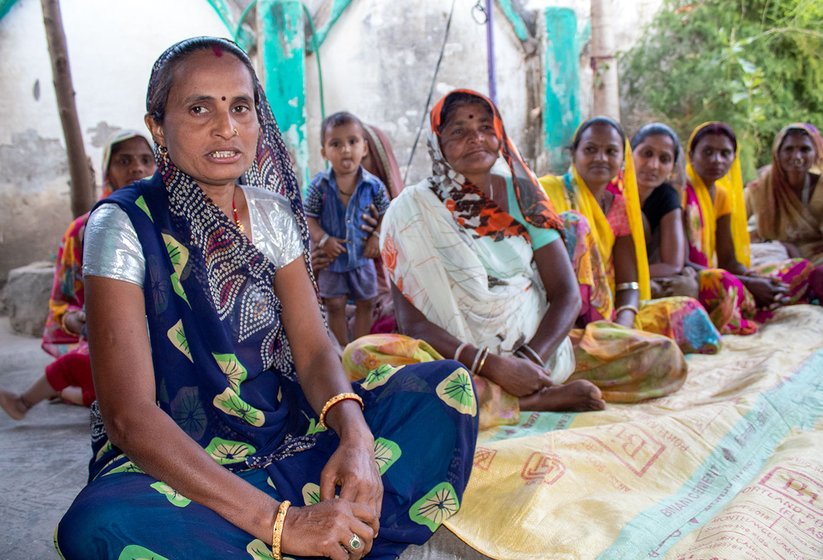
{"points": [[514, 18], [281, 48], [111, 52], [29, 162], [562, 71], [378, 58], [337, 9], [567, 62], [378, 62]]}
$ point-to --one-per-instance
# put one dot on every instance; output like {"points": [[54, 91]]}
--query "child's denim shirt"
{"points": [[343, 222]]}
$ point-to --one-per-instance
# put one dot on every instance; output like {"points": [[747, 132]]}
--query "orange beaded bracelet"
{"points": [[336, 399]]}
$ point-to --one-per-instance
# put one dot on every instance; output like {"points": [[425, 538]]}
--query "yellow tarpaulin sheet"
{"points": [[730, 466]]}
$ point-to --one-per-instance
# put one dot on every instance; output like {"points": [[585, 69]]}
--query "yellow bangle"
{"points": [[277, 529], [336, 399]]}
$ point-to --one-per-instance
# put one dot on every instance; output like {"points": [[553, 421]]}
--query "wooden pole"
{"points": [[604, 65], [82, 179]]}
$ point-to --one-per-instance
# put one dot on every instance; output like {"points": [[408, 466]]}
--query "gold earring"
{"points": [[164, 153]]}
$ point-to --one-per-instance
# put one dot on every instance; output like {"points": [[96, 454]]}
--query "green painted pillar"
{"points": [[5, 6], [562, 103], [281, 48]]}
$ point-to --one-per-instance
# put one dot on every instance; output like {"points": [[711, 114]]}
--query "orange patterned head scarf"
{"points": [[532, 200]]}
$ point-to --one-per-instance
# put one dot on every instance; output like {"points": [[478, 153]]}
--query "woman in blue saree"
{"points": [[215, 419]]}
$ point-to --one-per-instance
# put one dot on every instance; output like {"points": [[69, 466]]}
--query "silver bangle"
{"points": [[623, 286], [632, 308], [457, 352], [529, 353], [478, 356], [323, 240], [480, 360]]}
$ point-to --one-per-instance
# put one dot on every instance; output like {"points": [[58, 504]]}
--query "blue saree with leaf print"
{"points": [[224, 373]]}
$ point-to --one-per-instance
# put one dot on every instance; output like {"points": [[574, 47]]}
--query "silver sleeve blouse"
{"points": [[111, 248]]}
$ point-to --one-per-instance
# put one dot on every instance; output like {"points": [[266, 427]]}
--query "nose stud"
{"points": [[235, 131]]}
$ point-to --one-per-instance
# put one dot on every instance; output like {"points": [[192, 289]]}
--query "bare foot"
{"points": [[577, 396], [12, 405]]}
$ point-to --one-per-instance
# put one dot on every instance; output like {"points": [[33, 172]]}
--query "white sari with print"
{"points": [[481, 291]]}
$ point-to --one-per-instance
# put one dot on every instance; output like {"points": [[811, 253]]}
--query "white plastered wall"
{"points": [[112, 45], [378, 62], [379, 59]]}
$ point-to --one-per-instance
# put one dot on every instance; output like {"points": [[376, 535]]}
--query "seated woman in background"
{"points": [[479, 271], [656, 151], [787, 199], [716, 229], [127, 157], [605, 239], [381, 162], [215, 419]]}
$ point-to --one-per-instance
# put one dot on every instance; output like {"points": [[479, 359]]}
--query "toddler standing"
{"points": [[335, 203]]}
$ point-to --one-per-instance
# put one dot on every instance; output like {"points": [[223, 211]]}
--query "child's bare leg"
{"points": [[363, 310], [72, 394], [17, 406], [336, 308]]}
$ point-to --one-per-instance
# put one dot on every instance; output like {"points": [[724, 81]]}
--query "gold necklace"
{"points": [[237, 217]]}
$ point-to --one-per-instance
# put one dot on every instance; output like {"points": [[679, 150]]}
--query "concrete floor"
{"points": [[43, 458]]}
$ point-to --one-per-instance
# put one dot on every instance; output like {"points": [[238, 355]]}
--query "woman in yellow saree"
{"points": [[605, 239], [656, 149], [717, 232]]}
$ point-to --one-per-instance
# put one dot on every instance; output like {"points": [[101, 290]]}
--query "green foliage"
{"points": [[755, 64]]}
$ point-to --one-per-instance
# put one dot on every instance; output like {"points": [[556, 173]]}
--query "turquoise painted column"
{"points": [[562, 104], [337, 9], [281, 48], [5, 6]]}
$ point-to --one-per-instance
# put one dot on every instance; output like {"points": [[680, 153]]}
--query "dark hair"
{"points": [[162, 72], [459, 99], [338, 119], [656, 129], [597, 120], [716, 127]]}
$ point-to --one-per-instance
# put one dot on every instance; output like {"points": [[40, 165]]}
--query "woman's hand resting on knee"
{"points": [[326, 529], [351, 494], [516, 376]]}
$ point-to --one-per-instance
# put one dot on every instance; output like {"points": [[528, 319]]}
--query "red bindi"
{"points": [[471, 116], [223, 98], [218, 52]]}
